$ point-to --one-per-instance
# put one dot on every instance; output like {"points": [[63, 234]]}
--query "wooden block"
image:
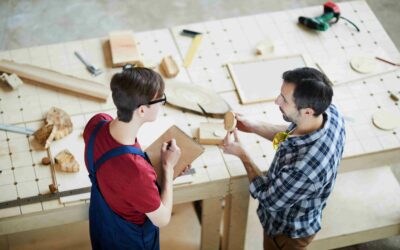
{"points": [[211, 133], [56, 79], [190, 150], [66, 161], [124, 49], [13, 80], [168, 67], [229, 121]]}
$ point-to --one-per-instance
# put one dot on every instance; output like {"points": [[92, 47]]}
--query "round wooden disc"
{"points": [[385, 120], [191, 96], [363, 64], [229, 121]]}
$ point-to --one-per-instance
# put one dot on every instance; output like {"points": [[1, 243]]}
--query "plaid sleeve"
{"points": [[281, 192]]}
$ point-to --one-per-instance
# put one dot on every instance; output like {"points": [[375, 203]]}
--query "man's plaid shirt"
{"points": [[294, 191]]}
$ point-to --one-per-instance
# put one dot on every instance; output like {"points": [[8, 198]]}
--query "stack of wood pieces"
{"points": [[66, 162], [58, 124]]}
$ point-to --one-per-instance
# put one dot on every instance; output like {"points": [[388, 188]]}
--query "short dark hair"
{"points": [[312, 89], [134, 87]]}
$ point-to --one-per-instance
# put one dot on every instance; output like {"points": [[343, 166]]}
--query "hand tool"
{"points": [[330, 16], [90, 67], [197, 37], [15, 129]]}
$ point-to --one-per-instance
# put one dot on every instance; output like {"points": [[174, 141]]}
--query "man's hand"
{"points": [[233, 147], [244, 124]]}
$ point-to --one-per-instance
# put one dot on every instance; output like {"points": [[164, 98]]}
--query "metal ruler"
{"points": [[43, 197]]}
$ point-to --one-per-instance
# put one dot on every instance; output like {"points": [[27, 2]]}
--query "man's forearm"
{"points": [[252, 170], [268, 130]]}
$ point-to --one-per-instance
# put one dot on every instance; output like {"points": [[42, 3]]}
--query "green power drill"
{"points": [[331, 16]]}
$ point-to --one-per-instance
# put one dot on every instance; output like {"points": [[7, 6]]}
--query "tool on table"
{"points": [[90, 67], [42, 197], [197, 37], [386, 61], [54, 186], [330, 16], [15, 129]]}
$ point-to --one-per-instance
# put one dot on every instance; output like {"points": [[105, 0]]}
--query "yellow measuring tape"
{"points": [[192, 51]]}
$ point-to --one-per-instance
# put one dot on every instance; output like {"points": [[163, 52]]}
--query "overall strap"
{"points": [[90, 148], [117, 152]]}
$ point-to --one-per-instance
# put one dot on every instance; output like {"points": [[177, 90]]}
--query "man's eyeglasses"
{"points": [[162, 100]]}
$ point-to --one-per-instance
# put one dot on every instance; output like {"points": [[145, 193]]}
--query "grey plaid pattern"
{"points": [[301, 176]]}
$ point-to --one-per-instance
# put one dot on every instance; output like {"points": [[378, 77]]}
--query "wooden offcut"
{"points": [[12, 80], [56, 79], [61, 120], [124, 49], [45, 135], [169, 67], [190, 150], [66, 162]]}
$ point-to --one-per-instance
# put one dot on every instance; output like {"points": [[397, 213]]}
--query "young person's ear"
{"points": [[141, 110]]}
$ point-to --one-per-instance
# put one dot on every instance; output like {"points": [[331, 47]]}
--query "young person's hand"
{"points": [[243, 124], [170, 154]]}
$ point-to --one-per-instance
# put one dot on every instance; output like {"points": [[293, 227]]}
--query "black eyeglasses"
{"points": [[162, 100]]}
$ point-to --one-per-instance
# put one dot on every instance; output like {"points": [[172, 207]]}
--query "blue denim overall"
{"points": [[107, 229]]}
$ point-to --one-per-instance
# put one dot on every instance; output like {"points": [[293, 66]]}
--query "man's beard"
{"points": [[286, 118]]}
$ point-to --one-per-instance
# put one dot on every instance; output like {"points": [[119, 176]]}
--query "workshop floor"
{"points": [[25, 23]]}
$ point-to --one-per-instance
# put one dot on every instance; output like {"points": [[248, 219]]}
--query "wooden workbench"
{"points": [[235, 39], [22, 174], [217, 175]]}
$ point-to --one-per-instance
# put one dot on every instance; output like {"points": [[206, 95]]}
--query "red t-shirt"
{"points": [[127, 182]]}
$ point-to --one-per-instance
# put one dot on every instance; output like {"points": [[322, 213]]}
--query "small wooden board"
{"points": [[124, 48], [211, 133], [190, 150]]}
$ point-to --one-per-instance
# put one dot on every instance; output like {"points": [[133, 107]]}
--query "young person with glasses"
{"points": [[302, 174], [127, 205]]}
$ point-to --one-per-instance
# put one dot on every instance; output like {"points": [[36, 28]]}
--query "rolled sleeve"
{"points": [[258, 186], [282, 192]]}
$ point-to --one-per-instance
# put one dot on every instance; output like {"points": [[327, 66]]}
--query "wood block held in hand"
{"points": [[169, 67], [190, 150], [229, 121], [124, 49], [211, 133]]}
